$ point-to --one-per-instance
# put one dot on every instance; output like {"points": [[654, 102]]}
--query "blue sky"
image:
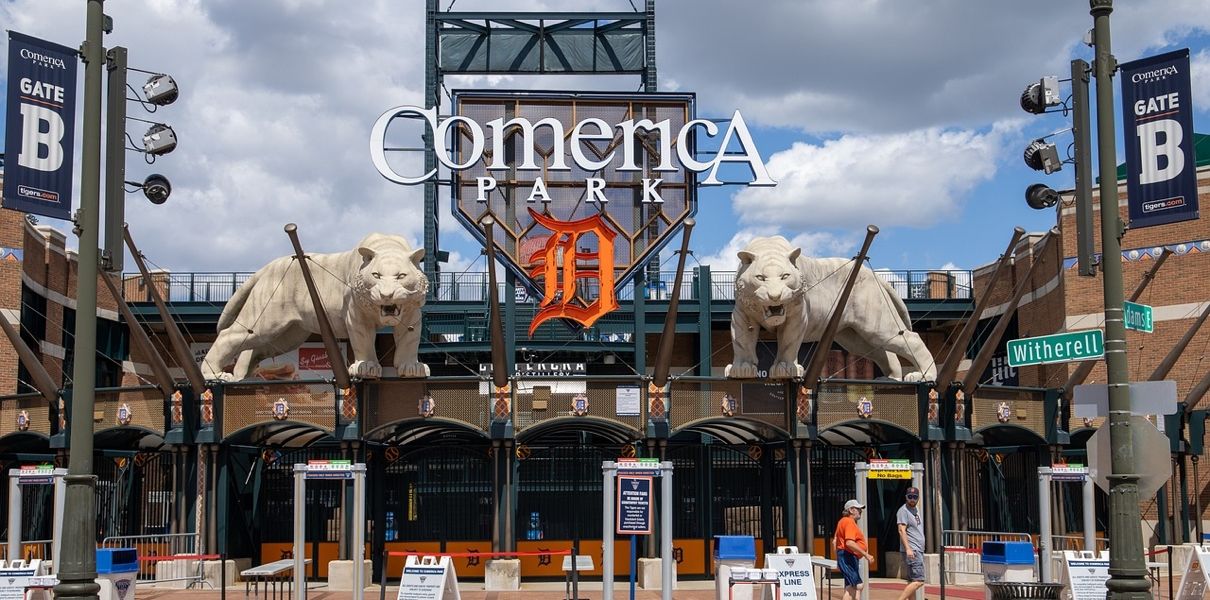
{"points": [[900, 114]]}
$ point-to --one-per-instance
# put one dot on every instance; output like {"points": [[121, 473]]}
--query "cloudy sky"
{"points": [[900, 114]]}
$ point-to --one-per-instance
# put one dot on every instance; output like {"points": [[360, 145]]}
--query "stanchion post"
{"points": [[608, 470], [382, 579]]}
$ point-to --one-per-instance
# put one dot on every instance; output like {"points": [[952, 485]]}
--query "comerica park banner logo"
{"points": [[586, 187]]}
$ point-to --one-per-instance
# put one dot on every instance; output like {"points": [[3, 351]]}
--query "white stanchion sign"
{"points": [[1196, 581], [1086, 575], [428, 578], [793, 572]]}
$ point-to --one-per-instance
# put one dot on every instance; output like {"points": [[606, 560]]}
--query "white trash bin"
{"points": [[117, 569]]}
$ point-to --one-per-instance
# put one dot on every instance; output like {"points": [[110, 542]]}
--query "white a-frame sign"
{"points": [[1196, 581], [428, 578]]}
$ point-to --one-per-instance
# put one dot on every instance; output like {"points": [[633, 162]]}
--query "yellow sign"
{"points": [[890, 474]]}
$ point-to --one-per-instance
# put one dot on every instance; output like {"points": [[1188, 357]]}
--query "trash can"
{"points": [[117, 569], [1024, 590], [1011, 562], [734, 551]]}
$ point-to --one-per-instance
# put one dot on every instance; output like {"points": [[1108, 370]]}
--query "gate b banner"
{"points": [[40, 127], [1157, 117]]}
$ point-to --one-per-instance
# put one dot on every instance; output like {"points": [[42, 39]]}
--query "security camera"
{"points": [[157, 188], [159, 139], [161, 90], [1040, 95], [1039, 196]]}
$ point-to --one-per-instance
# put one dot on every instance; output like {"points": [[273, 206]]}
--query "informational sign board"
{"points": [[36, 475], [14, 581], [794, 573], [629, 403], [890, 469], [428, 578], [1195, 582], [1068, 472], [329, 469], [1086, 574], [634, 505], [639, 466]]}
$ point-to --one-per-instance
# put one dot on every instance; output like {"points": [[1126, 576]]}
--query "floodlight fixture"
{"points": [[1041, 155], [1040, 95], [1040, 196], [161, 89], [159, 139]]}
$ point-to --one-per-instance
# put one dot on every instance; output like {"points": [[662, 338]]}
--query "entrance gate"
{"points": [[338, 470], [882, 470], [17, 480]]}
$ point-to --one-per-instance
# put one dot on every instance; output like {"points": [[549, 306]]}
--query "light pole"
{"points": [[1127, 570], [78, 573]]}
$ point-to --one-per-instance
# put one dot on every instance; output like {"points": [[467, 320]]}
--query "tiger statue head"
{"points": [[389, 280], [768, 283]]}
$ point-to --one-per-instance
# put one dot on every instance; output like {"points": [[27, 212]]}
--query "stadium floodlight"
{"points": [[1040, 95], [1042, 156], [159, 139]]}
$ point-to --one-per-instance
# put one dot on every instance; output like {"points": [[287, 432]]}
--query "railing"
{"points": [[473, 286], [962, 549], [1076, 542], [154, 572], [31, 549]]}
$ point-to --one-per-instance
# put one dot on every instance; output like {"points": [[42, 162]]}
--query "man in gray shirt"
{"points": [[911, 542]]}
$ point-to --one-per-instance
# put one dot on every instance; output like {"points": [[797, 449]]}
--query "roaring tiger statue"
{"points": [[779, 290], [380, 284]]}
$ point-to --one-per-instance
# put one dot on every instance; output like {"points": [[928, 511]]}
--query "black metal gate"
{"points": [[274, 513], [559, 491], [999, 488], [437, 494], [729, 490], [134, 493]]}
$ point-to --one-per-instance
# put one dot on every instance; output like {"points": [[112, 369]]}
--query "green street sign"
{"points": [[1058, 348], [1138, 317]]}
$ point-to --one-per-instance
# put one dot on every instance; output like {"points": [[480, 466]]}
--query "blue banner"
{"points": [[1157, 124], [40, 127]]}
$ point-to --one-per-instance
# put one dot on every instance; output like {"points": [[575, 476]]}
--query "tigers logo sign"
{"points": [[558, 265]]}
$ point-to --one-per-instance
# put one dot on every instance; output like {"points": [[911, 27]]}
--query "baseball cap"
{"points": [[853, 504], [913, 492]]}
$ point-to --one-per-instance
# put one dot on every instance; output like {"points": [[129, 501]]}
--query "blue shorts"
{"points": [[850, 567]]}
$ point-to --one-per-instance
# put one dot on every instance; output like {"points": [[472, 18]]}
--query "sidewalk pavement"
{"points": [[880, 589]]}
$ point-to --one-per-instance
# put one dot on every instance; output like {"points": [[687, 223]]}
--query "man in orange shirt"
{"points": [[850, 549]]}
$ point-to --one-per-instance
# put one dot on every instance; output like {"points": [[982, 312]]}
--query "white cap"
{"points": [[853, 504]]}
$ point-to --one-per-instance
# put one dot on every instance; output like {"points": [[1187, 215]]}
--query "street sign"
{"points": [[1058, 348], [890, 469], [1091, 400], [1138, 317], [1152, 456], [634, 505]]}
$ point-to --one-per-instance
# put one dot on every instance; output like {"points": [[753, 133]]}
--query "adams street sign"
{"points": [[1058, 348]]}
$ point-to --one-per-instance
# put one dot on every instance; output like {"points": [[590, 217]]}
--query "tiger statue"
{"points": [[380, 284], [781, 291]]}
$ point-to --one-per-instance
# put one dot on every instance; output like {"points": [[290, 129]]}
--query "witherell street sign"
{"points": [[1058, 348]]}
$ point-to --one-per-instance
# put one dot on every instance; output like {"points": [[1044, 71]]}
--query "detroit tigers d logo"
{"points": [[562, 267]]}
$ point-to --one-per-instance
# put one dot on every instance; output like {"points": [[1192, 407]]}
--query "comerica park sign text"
{"points": [[585, 187]]}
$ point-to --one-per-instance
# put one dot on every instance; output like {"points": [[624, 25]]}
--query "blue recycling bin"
{"points": [[1007, 561], [734, 551], [117, 570]]}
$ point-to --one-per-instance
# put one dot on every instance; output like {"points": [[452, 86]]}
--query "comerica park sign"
{"points": [[586, 188]]}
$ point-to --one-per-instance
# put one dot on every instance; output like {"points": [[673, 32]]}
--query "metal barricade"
{"points": [[962, 549], [162, 569], [30, 549], [1076, 542]]}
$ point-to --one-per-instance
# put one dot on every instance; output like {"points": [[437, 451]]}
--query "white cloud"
{"points": [[914, 179], [818, 243], [1199, 75]]}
